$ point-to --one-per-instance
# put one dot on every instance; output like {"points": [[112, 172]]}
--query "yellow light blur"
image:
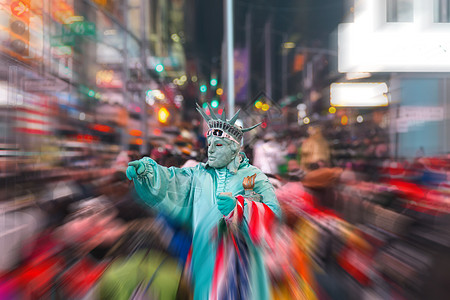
{"points": [[194, 78], [344, 120], [72, 19], [332, 110], [158, 94], [289, 45], [219, 91], [306, 120], [258, 104], [183, 78], [265, 107], [175, 37], [104, 76], [163, 115]]}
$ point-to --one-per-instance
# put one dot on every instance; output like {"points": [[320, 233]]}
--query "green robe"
{"points": [[188, 196]]}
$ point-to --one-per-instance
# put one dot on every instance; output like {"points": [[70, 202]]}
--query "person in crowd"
{"points": [[268, 155], [200, 197], [315, 151]]}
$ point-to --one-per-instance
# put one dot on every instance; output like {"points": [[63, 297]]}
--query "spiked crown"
{"points": [[228, 126]]}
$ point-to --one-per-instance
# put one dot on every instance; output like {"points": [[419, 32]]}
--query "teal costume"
{"points": [[191, 197]]}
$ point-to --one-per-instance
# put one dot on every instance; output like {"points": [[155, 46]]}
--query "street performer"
{"points": [[200, 197]]}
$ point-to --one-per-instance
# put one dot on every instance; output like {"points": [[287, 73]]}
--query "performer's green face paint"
{"points": [[221, 151]]}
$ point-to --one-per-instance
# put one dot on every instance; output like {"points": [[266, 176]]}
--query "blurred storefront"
{"points": [[74, 74]]}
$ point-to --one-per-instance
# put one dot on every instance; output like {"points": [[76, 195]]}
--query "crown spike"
{"points": [[213, 115], [234, 118], [250, 128], [204, 115], [223, 116]]}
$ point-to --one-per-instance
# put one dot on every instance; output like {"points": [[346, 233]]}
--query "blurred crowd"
{"points": [[356, 224]]}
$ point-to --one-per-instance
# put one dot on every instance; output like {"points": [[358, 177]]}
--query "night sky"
{"points": [[305, 22]]}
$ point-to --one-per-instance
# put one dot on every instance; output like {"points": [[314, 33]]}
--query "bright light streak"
{"points": [[359, 94], [357, 75]]}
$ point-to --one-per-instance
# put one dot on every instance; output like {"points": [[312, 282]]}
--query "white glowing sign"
{"points": [[359, 94], [370, 44]]}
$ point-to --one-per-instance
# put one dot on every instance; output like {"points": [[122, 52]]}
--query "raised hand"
{"points": [[134, 169]]}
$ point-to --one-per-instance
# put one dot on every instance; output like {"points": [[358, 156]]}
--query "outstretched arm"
{"points": [[165, 189]]}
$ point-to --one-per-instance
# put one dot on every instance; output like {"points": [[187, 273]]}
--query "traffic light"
{"points": [[19, 30], [159, 68], [265, 107], [215, 103], [260, 105]]}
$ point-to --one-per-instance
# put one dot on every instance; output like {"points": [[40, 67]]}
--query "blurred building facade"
{"points": [[398, 43], [402, 43], [84, 77]]}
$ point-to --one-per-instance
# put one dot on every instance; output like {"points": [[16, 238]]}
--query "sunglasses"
{"points": [[220, 133]]}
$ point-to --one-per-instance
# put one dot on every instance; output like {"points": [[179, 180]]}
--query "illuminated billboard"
{"points": [[362, 94], [371, 44]]}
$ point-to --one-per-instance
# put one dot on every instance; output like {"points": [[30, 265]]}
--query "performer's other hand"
{"points": [[134, 169], [225, 203]]}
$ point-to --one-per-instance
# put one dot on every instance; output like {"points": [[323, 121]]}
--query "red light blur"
{"points": [[33, 131], [101, 128], [88, 138], [28, 120], [135, 132], [157, 131]]}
